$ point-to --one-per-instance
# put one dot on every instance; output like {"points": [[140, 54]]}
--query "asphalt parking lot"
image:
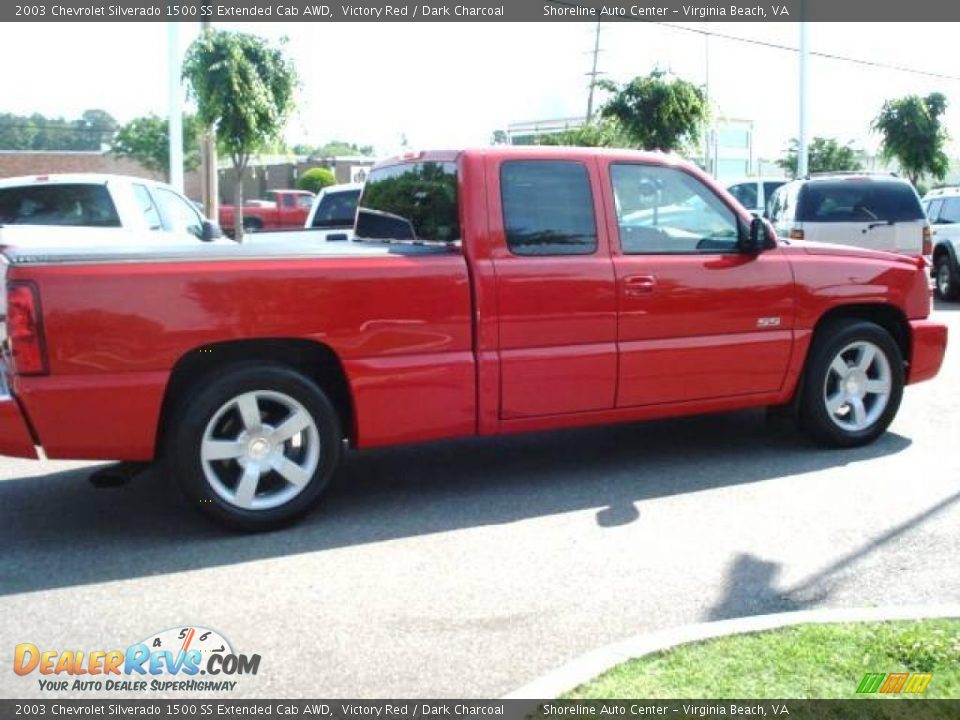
{"points": [[465, 569]]}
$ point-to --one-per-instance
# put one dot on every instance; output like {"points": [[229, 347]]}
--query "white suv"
{"points": [[880, 212], [943, 210], [756, 193]]}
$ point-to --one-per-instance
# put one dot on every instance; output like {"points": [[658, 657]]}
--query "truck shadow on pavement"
{"points": [[59, 531]]}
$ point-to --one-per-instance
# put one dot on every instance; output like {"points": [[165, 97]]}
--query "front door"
{"points": [[697, 319]]}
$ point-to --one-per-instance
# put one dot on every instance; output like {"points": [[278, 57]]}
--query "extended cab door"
{"points": [[556, 298], [697, 319]]}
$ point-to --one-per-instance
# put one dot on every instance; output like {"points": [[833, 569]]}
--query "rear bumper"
{"points": [[929, 343], [15, 437]]}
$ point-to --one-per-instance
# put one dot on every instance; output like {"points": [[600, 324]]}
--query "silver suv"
{"points": [[942, 207], [879, 212]]}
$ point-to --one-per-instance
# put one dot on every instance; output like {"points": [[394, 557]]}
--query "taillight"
{"points": [[927, 241], [796, 234], [24, 329]]}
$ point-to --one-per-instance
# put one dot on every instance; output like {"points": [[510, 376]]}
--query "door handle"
{"points": [[639, 284]]}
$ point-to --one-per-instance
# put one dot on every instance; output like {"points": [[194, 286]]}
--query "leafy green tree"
{"points": [[499, 137], [823, 155], [316, 179], [244, 88], [147, 140], [914, 136], [92, 130], [656, 112], [605, 132], [333, 148]]}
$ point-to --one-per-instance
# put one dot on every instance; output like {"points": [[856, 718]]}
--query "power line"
{"points": [[828, 56]]}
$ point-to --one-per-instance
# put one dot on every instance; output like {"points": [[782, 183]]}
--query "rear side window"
{"points": [[66, 204], [547, 208], [412, 201], [865, 201], [149, 210], [336, 209]]}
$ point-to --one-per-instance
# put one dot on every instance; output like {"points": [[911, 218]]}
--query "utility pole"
{"points": [[175, 121], [707, 158], [593, 72], [802, 140], [209, 179]]}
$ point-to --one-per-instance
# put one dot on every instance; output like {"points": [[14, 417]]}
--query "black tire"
{"points": [[945, 275], [252, 225], [815, 417], [213, 411]]}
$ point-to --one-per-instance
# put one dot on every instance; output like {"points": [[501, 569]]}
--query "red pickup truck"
{"points": [[281, 209], [489, 291]]}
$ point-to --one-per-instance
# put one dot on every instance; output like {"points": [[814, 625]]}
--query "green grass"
{"points": [[806, 661]]}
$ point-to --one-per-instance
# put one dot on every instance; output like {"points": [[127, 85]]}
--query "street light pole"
{"points": [[593, 72], [175, 121], [803, 140]]}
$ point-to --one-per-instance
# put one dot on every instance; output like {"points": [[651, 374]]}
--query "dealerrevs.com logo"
{"points": [[179, 659]]}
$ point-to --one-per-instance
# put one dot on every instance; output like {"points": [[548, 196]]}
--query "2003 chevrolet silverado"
{"points": [[489, 291]]}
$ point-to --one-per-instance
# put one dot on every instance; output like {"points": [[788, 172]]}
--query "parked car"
{"points": [[489, 291], [755, 193], [330, 219], [280, 209], [150, 210], [879, 212], [942, 207]]}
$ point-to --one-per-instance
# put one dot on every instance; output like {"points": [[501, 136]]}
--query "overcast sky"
{"points": [[452, 84]]}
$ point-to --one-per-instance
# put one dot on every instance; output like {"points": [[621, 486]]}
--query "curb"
{"points": [[587, 666]]}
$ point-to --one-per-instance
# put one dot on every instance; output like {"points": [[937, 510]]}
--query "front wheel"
{"points": [[256, 448], [947, 282], [853, 384]]}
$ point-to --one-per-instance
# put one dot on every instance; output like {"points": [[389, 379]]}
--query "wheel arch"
{"points": [[315, 360], [889, 317]]}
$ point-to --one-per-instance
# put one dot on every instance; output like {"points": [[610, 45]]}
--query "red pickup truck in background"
{"points": [[280, 209], [490, 291]]}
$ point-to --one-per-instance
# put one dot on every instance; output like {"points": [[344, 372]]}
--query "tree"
{"points": [[333, 148], [244, 88], [499, 137], [656, 112], [914, 136], [92, 130], [147, 140], [316, 179], [602, 133], [823, 155]]}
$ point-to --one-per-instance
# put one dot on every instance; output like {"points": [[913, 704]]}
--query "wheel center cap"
{"points": [[854, 383], [258, 448]]}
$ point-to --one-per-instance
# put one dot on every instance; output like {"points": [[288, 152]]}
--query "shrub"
{"points": [[316, 179]]}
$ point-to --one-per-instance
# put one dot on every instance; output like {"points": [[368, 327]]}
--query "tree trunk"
{"points": [[238, 205]]}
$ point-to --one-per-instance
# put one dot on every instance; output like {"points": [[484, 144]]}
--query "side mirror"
{"points": [[757, 239], [210, 231]]}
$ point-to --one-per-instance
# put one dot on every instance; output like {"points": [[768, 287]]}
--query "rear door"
{"points": [[555, 291], [945, 216], [697, 319]]}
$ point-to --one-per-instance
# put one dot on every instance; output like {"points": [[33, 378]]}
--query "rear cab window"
{"points": [[64, 204], [414, 201], [859, 202]]}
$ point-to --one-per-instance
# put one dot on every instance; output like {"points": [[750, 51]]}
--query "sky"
{"points": [[453, 84]]}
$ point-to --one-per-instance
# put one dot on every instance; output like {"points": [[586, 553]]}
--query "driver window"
{"points": [[662, 210]]}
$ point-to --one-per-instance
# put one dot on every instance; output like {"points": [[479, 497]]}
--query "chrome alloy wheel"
{"points": [[260, 450], [858, 386], [943, 279]]}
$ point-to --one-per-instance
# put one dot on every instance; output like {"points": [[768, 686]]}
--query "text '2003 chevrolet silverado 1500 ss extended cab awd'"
{"points": [[488, 291]]}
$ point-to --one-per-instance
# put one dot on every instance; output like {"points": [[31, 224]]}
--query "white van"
{"points": [[880, 212]]}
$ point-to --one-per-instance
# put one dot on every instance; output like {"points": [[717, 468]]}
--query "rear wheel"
{"points": [[947, 282], [256, 448], [853, 384], [252, 225]]}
